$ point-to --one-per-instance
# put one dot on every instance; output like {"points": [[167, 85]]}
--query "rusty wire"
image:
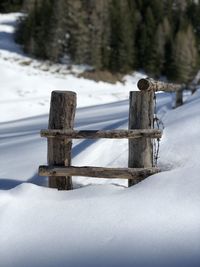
{"points": [[157, 123]]}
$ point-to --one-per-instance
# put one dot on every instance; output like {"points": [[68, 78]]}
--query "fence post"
{"points": [[193, 89], [141, 112], [179, 98], [62, 113]]}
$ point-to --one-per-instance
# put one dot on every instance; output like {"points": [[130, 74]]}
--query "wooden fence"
{"points": [[60, 133], [149, 84]]}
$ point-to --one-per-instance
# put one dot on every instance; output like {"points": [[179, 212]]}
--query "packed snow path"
{"points": [[155, 222]]}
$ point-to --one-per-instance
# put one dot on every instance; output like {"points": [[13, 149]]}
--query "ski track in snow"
{"points": [[154, 223]]}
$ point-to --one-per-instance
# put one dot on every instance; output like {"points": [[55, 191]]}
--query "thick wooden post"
{"points": [[179, 98], [141, 114], [62, 112]]}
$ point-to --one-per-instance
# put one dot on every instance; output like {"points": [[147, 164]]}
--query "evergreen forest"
{"points": [[10, 5], [160, 37]]}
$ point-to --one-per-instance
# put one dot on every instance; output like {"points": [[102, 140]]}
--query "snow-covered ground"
{"points": [[155, 223]]}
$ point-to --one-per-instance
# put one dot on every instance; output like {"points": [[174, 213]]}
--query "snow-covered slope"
{"points": [[30, 82], [156, 222]]}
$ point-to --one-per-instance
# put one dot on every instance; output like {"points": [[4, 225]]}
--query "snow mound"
{"points": [[101, 222]]}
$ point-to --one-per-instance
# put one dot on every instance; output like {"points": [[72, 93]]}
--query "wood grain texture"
{"points": [[95, 134], [135, 174], [141, 114], [149, 84], [62, 112]]}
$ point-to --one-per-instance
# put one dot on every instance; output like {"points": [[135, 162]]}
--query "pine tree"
{"points": [[10, 5], [106, 35], [184, 56], [34, 29], [77, 32], [116, 35], [58, 33], [150, 45], [97, 14], [157, 7], [193, 11], [122, 42], [126, 44], [168, 45], [162, 39], [141, 38]]}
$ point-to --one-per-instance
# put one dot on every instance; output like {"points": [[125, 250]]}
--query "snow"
{"points": [[101, 222]]}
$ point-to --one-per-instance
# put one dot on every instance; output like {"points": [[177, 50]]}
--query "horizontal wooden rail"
{"points": [[98, 172], [117, 134], [149, 84]]}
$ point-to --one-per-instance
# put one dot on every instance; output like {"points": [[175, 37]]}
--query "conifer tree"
{"points": [[10, 5], [122, 44], [126, 44], [99, 33], [150, 44], [141, 38], [106, 35], [59, 33], [116, 35], [184, 56], [193, 11]]}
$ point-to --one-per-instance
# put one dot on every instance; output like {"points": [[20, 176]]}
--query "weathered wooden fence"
{"points": [[60, 133], [149, 84]]}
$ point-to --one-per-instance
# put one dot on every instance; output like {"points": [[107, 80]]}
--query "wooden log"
{"points": [[141, 112], [98, 172], [192, 88], [179, 99], [117, 134], [62, 112], [149, 84]]}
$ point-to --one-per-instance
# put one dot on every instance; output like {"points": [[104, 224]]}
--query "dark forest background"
{"points": [[161, 37]]}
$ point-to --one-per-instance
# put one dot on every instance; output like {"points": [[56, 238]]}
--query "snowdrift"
{"points": [[102, 222]]}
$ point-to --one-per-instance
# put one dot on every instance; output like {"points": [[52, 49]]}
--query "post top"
{"points": [[150, 84], [62, 92], [143, 84]]}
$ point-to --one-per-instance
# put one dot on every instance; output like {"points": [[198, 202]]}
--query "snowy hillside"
{"points": [[102, 222]]}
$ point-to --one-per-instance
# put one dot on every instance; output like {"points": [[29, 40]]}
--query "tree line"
{"points": [[161, 37], [10, 5]]}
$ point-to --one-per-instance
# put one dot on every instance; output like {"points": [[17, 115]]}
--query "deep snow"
{"points": [[156, 222]]}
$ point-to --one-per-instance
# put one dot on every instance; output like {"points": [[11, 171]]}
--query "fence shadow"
{"points": [[77, 149], [7, 184]]}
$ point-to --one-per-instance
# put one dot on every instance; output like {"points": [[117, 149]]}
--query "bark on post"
{"points": [[179, 99], [62, 113], [141, 112]]}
